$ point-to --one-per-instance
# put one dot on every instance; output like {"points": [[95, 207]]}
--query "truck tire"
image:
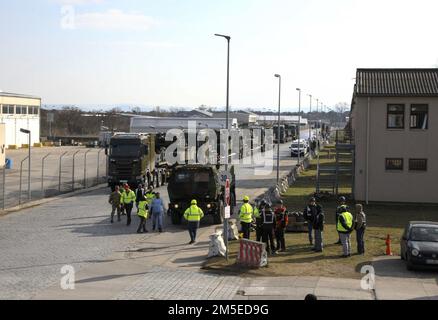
{"points": [[219, 215], [176, 217]]}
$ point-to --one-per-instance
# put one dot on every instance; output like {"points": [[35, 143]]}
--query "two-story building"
{"points": [[394, 121]]}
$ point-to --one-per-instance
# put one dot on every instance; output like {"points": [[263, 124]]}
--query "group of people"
{"points": [[271, 223], [148, 204]]}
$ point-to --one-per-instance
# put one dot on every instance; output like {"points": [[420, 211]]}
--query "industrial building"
{"points": [[394, 127], [19, 111]]}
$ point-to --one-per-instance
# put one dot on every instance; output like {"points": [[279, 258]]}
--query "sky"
{"points": [[164, 52]]}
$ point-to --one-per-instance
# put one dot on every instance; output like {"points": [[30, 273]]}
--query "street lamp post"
{"points": [[228, 38], [310, 127], [299, 124], [29, 161], [278, 127]]}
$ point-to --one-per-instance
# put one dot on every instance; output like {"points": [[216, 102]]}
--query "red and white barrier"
{"points": [[252, 254]]}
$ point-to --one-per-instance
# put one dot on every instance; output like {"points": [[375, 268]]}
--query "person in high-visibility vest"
{"points": [[258, 211], [193, 215], [342, 206], [150, 196], [246, 212], [143, 213], [344, 227], [128, 199]]}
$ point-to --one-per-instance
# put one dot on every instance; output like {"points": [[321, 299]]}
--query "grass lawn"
{"points": [[383, 219]]}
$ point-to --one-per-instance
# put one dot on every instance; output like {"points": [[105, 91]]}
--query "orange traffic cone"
{"points": [[388, 246]]}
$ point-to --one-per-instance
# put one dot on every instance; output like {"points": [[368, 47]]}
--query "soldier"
{"points": [[318, 227], [268, 226], [115, 201], [282, 220], [259, 220]]}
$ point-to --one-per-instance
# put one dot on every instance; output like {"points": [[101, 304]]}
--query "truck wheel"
{"points": [[176, 217], [219, 216]]}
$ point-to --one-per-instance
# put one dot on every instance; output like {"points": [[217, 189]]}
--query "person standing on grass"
{"points": [[282, 220], [115, 201], [269, 222], [360, 226], [258, 211], [344, 227], [341, 208], [310, 213], [318, 226]]}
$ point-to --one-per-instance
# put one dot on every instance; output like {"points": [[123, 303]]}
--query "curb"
{"points": [[47, 200]]}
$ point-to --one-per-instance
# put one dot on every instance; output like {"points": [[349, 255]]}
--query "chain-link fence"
{"points": [[53, 171]]}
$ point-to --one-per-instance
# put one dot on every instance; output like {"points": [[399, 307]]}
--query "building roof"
{"points": [[17, 95], [397, 82]]}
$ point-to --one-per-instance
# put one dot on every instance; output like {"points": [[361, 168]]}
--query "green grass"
{"points": [[383, 219]]}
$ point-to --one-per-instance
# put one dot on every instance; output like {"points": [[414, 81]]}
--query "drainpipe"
{"points": [[367, 180]]}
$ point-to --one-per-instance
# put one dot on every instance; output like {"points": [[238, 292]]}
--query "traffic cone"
{"points": [[388, 246]]}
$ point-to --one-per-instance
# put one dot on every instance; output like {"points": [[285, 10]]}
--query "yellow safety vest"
{"points": [[128, 197], [150, 197], [348, 217], [246, 213], [142, 211], [257, 212], [193, 214]]}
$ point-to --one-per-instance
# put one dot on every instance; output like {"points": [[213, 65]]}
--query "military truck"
{"points": [[205, 183], [131, 159]]}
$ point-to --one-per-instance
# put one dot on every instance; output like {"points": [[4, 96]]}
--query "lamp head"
{"points": [[277, 76], [25, 131], [223, 36]]}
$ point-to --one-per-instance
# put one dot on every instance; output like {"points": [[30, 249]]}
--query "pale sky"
{"points": [[163, 52]]}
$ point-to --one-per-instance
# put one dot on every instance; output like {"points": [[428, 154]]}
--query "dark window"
{"points": [[396, 116], [394, 164], [419, 116], [23, 109], [418, 164], [17, 109], [35, 110], [8, 109]]}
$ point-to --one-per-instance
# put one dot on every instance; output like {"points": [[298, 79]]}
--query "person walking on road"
{"points": [[342, 206], [344, 227], [139, 193], [128, 199], [143, 213], [246, 213], [318, 227], [150, 195], [115, 201], [268, 228], [282, 220], [310, 212], [259, 219], [360, 226], [157, 211], [193, 215]]}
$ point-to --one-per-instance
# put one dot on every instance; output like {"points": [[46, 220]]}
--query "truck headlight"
{"points": [[208, 206], [176, 206], [415, 252]]}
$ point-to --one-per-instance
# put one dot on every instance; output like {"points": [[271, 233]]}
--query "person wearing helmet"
{"points": [[340, 209], [282, 220], [246, 213], [193, 215], [258, 211]]}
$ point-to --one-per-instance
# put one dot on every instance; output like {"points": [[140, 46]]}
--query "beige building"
{"points": [[18, 111], [394, 121]]}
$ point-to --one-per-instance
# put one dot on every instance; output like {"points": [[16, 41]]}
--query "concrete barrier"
{"points": [[13, 147], [38, 145], [252, 254]]}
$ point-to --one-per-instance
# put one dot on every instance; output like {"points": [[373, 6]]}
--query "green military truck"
{"points": [[206, 184]]}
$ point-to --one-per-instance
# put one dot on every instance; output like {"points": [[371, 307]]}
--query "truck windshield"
{"points": [[426, 234], [125, 150]]}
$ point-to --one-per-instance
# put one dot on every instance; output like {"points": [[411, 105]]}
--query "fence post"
{"points": [[60, 170], [21, 177], [73, 171], [85, 169], [42, 174]]}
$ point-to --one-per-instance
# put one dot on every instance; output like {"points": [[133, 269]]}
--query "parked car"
{"points": [[419, 244], [296, 147]]}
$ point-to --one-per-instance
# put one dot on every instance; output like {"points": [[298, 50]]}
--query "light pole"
{"points": [[299, 124], [310, 127], [278, 127], [228, 38], [28, 172]]}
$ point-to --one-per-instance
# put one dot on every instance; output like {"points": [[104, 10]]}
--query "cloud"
{"points": [[78, 2], [114, 20]]}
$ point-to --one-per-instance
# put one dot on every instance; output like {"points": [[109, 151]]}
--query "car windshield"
{"points": [[425, 234], [295, 146]]}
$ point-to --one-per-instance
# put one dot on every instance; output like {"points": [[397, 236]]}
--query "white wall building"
{"points": [[20, 111]]}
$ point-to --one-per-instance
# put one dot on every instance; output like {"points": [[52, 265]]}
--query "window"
{"points": [[17, 109], [8, 109], [396, 116], [33, 110], [419, 116], [394, 164], [23, 109], [417, 164]]}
